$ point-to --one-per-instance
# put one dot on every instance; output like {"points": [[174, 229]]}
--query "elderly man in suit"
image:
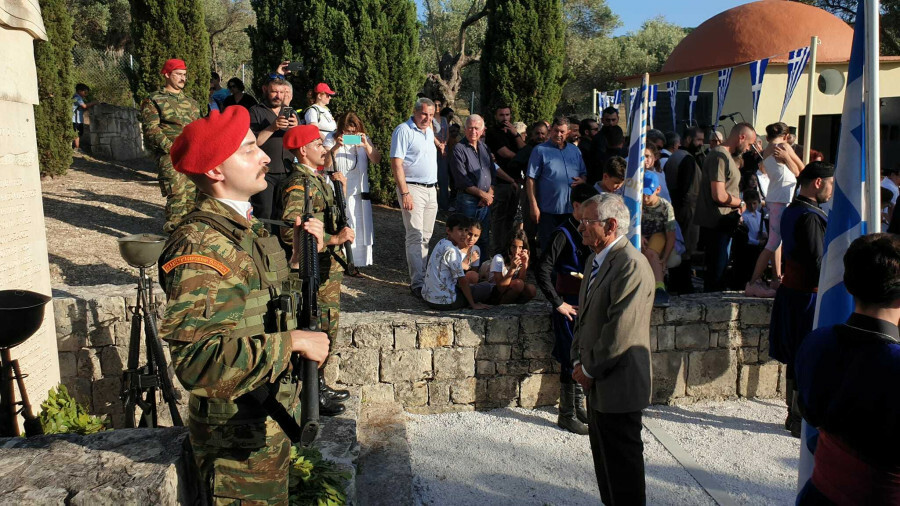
{"points": [[611, 350]]}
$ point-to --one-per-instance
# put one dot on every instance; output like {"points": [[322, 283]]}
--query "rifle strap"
{"points": [[266, 398]]}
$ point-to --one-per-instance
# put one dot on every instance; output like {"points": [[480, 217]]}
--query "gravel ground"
{"points": [[518, 456]]}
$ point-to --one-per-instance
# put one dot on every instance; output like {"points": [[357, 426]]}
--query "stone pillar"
{"points": [[23, 242]]}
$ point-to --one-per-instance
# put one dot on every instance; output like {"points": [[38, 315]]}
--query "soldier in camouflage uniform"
{"points": [[219, 268], [163, 115], [305, 143]]}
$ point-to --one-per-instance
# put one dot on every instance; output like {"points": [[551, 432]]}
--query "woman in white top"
{"points": [[318, 114], [782, 165], [352, 160]]}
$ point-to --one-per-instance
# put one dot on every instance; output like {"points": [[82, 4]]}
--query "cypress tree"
{"points": [[269, 44], [523, 57], [53, 115], [163, 29]]}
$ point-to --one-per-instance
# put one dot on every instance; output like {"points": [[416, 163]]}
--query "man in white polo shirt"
{"points": [[414, 164]]}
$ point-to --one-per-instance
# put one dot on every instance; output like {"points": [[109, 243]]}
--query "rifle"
{"points": [[341, 204], [309, 320]]}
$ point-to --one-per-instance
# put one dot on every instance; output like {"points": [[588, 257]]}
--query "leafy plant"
{"points": [[315, 480], [61, 414]]}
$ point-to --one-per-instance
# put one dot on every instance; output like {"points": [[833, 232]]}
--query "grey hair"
{"points": [[422, 102], [654, 135], [560, 121], [610, 205], [672, 139], [473, 118]]}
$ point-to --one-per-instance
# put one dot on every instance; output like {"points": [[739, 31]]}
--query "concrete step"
{"points": [[385, 475], [338, 442]]}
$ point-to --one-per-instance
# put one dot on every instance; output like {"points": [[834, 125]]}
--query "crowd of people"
{"points": [[527, 209]]}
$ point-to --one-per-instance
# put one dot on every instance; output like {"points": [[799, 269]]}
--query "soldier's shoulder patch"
{"points": [[196, 259], [291, 188]]}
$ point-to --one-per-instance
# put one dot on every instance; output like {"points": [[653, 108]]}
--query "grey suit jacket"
{"points": [[612, 333]]}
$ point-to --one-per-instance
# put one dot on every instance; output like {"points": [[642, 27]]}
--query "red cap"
{"points": [[300, 136], [324, 88], [173, 64], [207, 142]]}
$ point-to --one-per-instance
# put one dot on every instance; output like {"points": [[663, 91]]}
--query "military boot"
{"points": [[567, 419], [327, 392], [580, 410], [328, 407]]}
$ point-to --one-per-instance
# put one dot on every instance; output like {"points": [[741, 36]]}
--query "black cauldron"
{"points": [[21, 314]]}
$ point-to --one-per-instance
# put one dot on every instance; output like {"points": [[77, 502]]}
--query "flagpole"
{"points": [[810, 93], [872, 99], [594, 100]]}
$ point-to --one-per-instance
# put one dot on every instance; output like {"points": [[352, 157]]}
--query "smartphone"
{"points": [[287, 112], [352, 140], [294, 66]]}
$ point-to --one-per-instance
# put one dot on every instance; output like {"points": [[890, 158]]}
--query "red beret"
{"points": [[173, 64], [207, 142], [300, 136]]}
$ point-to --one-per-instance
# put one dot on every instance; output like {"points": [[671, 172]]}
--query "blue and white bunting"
{"points": [[796, 63], [617, 99], [634, 173], [602, 101], [757, 72], [651, 104], [632, 104], [672, 88], [722, 91], [694, 88]]}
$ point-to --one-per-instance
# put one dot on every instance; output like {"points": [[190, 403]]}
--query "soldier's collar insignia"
{"points": [[196, 259]]}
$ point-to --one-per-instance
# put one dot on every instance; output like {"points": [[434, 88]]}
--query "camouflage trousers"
{"points": [[179, 191], [329, 297]]}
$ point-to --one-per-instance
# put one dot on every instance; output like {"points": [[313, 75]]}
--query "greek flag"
{"points": [[694, 87], [796, 63], [602, 101], [724, 82], [847, 219], [632, 106], [617, 99], [757, 72], [651, 104], [634, 173], [672, 88]]}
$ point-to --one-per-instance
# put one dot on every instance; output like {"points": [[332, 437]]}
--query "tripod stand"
{"points": [[21, 314], [139, 383]]}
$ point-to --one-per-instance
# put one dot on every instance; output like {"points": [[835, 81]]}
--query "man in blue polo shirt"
{"points": [[414, 164], [553, 169]]}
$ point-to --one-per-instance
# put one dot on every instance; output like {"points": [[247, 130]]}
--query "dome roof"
{"points": [[759, 30]]}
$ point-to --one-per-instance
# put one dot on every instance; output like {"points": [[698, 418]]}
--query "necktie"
{"points": [[594, 272]]}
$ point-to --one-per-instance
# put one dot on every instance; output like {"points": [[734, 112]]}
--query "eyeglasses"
{"points": [[587, 222], [273, 77]]}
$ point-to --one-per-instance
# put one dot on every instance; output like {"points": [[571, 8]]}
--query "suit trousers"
{"points": [[618, 456], [419, 224]]}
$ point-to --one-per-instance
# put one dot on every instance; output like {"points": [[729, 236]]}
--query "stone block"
{"points": [[782, 379], [657, 316], [669, 375], [406, 365], [750, 337], [764, 349], [67, 365], [122, 332], [469, 332], [71, 324], [435, 335], [411, 394], [332, 370], [654, 345], [499, 391], [106, 309], [374, 335], [88, 364], [537, 345], [748, 355], [513, 367], [756, 313], [493, 352], [359, 366], [405, 337], [712, 374], [539, 390], [731, 337], [484, 368], [692, 337], [534, 323], [80, 389], [665, 337], [436, 410], [537, 366], [502, 330], [113, 360], [105, 394], [104, 334], [344, 338], [455, 363], [438, 393], [684, 312], [378, 393], [721, 311], [463, 391], [759, 380]]}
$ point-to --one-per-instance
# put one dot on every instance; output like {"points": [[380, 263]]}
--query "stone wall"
{"points": [[114, 132], [707, 346]]}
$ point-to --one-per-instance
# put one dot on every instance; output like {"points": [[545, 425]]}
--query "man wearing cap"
{"points": [[163, 115], [803, 232], [221, 270], [305, 143], [318, 114]]}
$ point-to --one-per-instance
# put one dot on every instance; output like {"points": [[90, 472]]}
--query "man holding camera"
{"points": [[269, 120]]}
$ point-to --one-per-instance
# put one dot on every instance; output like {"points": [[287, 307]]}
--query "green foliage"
{"points": [[524, 53], [227, 22], [440, 29], [101, 24], [314, 480], [163, 29], [106, 72], [61, 414], [889, 23], [53, 115]]}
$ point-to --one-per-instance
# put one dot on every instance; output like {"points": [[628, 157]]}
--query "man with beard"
{"points": [[719, 202], [504, 142], [693, 142], [269, 120]]}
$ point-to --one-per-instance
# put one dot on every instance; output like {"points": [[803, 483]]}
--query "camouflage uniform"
{"points": [[225, 344], [292, 193], [164, 115]]}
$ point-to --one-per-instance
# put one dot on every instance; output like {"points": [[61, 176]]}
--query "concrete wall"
{"points": [[114, 132], [704, 347]]}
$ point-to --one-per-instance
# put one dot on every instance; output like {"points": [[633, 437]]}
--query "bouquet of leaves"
{"points": [[61, 414], [315, 480]]}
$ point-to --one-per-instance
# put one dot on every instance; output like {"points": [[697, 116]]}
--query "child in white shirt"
{"points": [[446, 284], [508, 272]]}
